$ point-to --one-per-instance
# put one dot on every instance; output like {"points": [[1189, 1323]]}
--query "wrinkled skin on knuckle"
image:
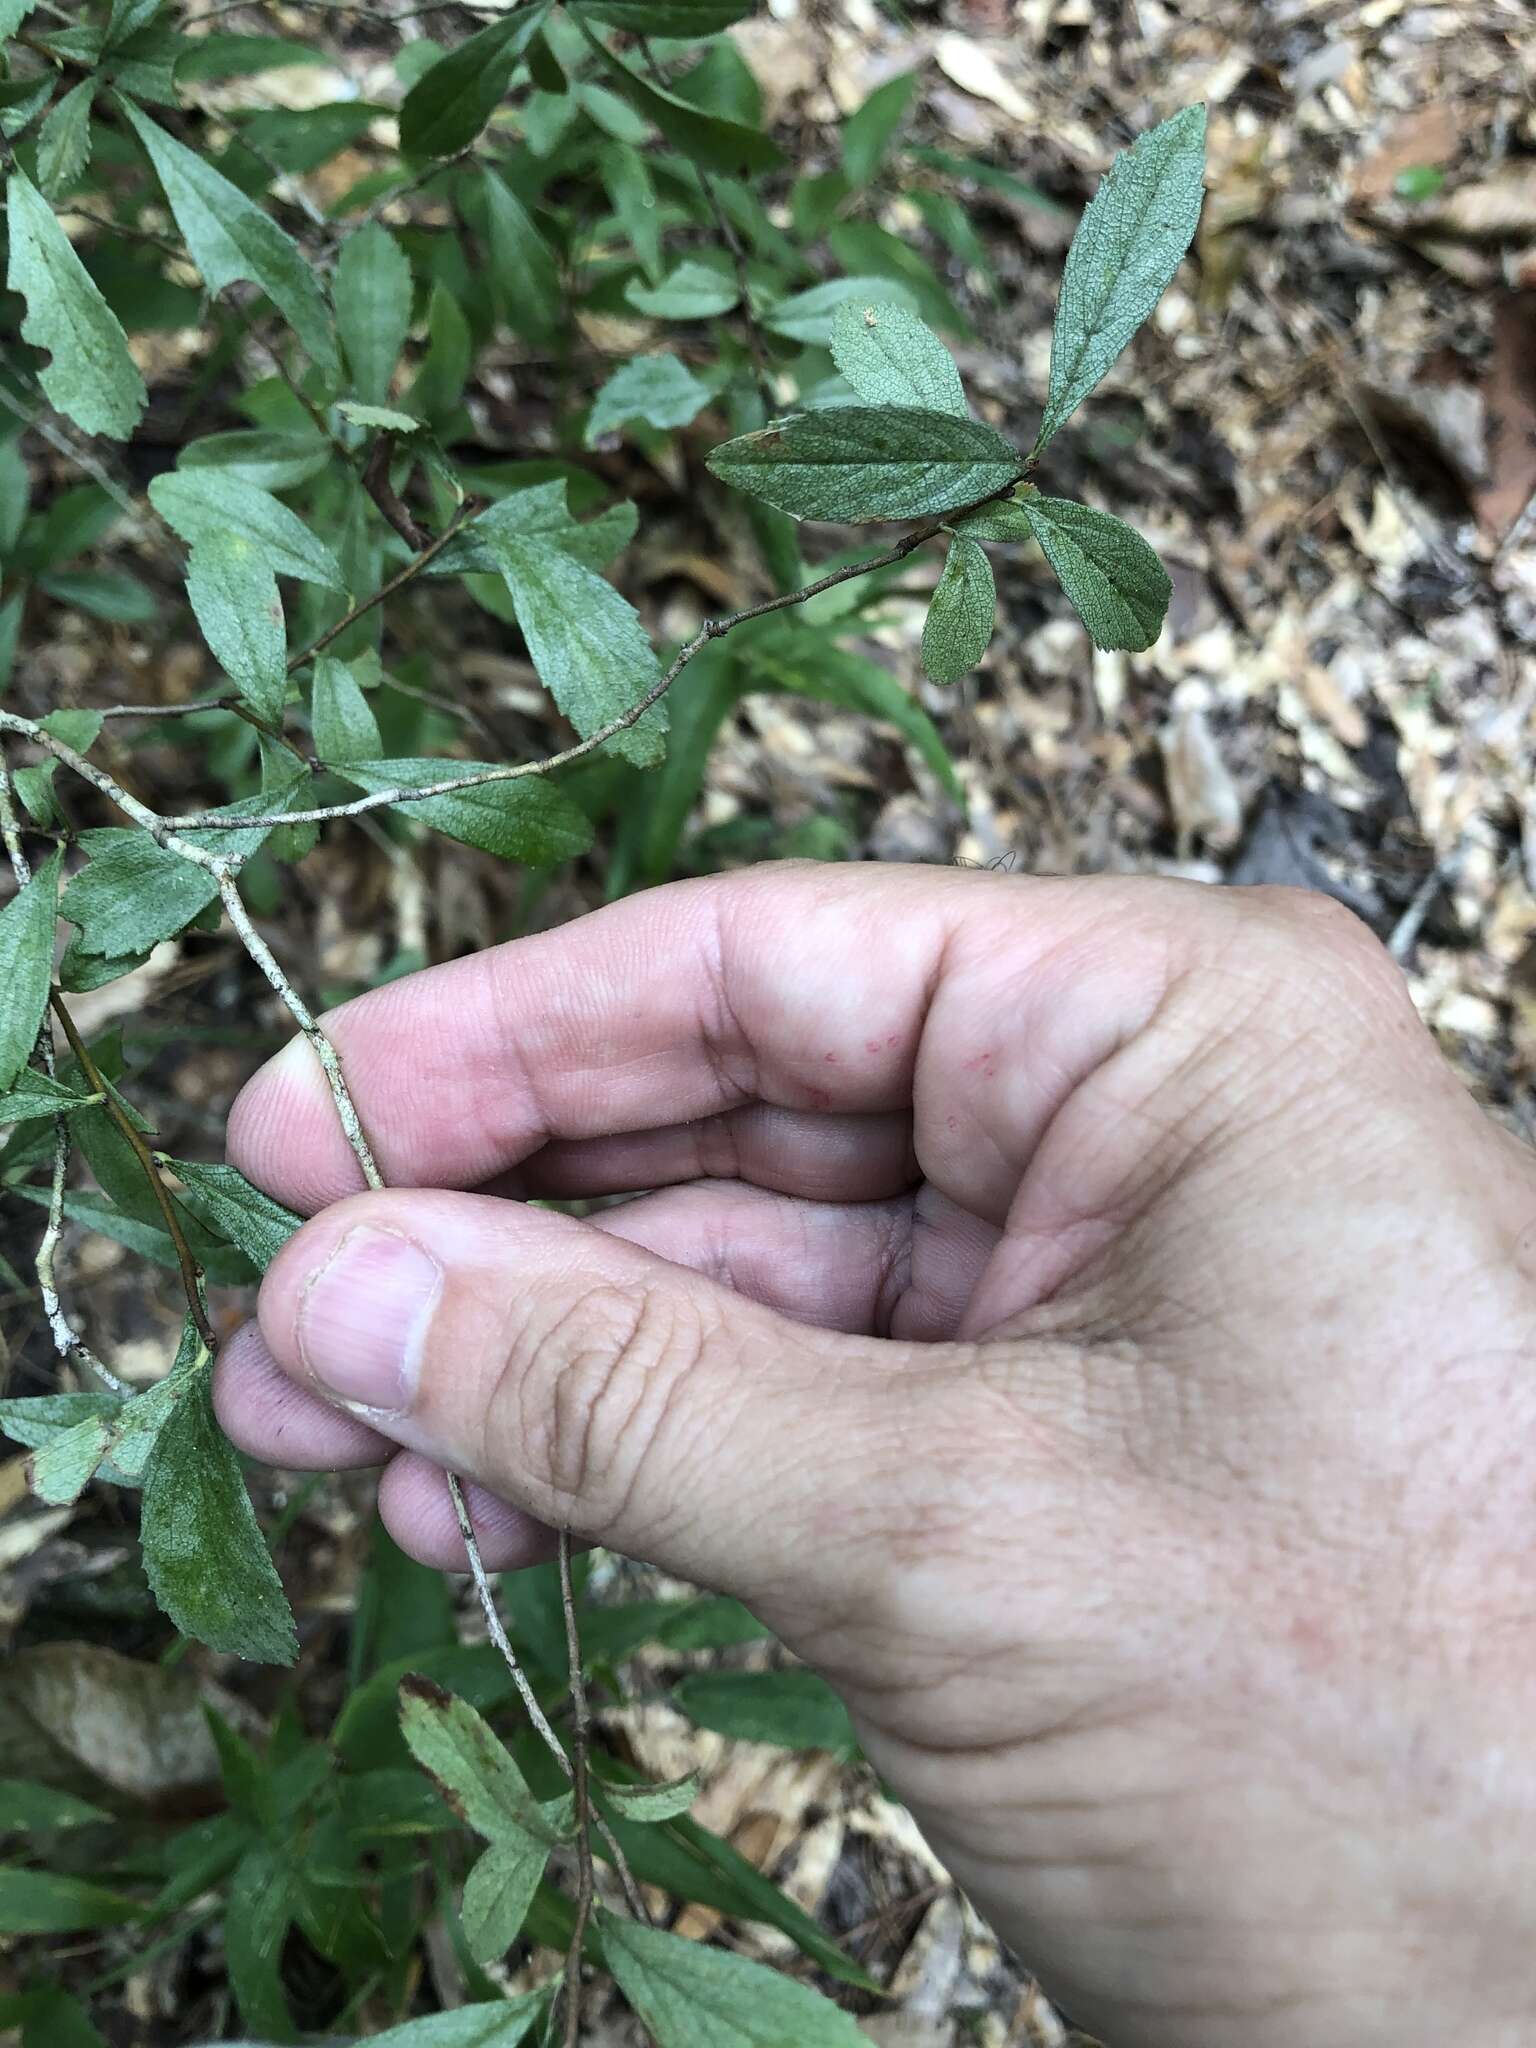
{"points": [[593, 1393]]}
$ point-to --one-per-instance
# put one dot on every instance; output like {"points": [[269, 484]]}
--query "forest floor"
{"points": [[1329, 433]]}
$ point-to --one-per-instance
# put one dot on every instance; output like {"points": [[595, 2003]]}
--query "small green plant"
{"points": [[594, 163]]}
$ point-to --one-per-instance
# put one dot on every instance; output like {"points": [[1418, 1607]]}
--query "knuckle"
{"points": [[601, 1390]]}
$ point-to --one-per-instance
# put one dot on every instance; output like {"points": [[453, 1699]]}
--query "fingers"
{"points": [[416, 1510], [798, 1152], [585, 1380], [272, 1417], [975, 1001]]}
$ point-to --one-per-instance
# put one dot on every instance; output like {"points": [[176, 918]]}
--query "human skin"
{"points": [[1085, 1319]]}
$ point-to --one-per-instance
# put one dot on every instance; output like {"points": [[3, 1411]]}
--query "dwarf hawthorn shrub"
{"points": [[552, 165]]}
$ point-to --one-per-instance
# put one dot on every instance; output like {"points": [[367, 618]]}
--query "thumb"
{"points": [[587, 1380]]}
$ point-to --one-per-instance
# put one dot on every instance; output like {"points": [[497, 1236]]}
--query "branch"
{"points": [[66, 1339], [470, 508], [581, 1735], [133, 1138], [712, 629], [158, 828]]}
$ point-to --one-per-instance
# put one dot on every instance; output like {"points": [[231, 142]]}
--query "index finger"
{"points": [[804, 986]]}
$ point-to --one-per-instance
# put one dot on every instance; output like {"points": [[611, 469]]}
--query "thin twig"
{"points": [[425, 177], [413, 568], [133, 1138], [712, 629], [581, 1728], [67, 1340], [158, 828]]}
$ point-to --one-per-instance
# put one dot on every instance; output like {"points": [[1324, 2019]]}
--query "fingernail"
{"points": [[363, 1316]]}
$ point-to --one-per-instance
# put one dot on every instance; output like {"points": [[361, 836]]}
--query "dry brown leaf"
{"points": [[1509, 398], [1430, 136]]}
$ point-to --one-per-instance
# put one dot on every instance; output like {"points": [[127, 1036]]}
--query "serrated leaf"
{"points": [[657, 389], [692, 292], [372, 293], [28, 1808], [868, 131], [794, 1709], [64, 144], [26, 966], [204, 1555], [855, 463], [449, 104], [587, 643], [132, 893], [650, 1803], [891, 358], [1129, 242], [688, 1995], [498, 1893], [211, 504], [473, 1769], [961, 614], [538, 512], [231, 239], [524, 819], [1118, 587], [1004, 521], [36, 1094], [36, 1420], [497, 2025], [234, 596], [808, 315], [525, 279], [708, 139], [666, 17], [340, 717], [226, 1201], [91, 376]]}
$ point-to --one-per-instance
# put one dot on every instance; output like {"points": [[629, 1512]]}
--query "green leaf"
{"points": [[12, 14], [128, 17], [794, 1709], [439, 384], [386, 419], [234, 595], [340, 717], [64, 145], [1129, 242], [61, 1470], [261, 1905], [961, 614], [650, 1803], [1418, 182], [525, 279], [91, 377], [809, 315], [45, 1902], [707, 139], [225, 1200], [1005, 521], [891, 358], [473, 1771], [36, 1094], [587, 644], [448, 106], [657, 389], [204, 1555], [632, 195], [812, 665], [38, 1419], [27, 1808], [132, 893], [498, 1893], [230, 238], [1118, 587], [212, 504], [855, 464], [666, 17], [497, 2025], [523, 819], [867, 133], [372, 291], [26, 966], [689, 1995], [693, 291], [538, 512], [110, 594], [266, 457]]}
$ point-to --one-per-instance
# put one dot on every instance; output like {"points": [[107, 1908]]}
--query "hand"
{"points": [[1085, 1319]]}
